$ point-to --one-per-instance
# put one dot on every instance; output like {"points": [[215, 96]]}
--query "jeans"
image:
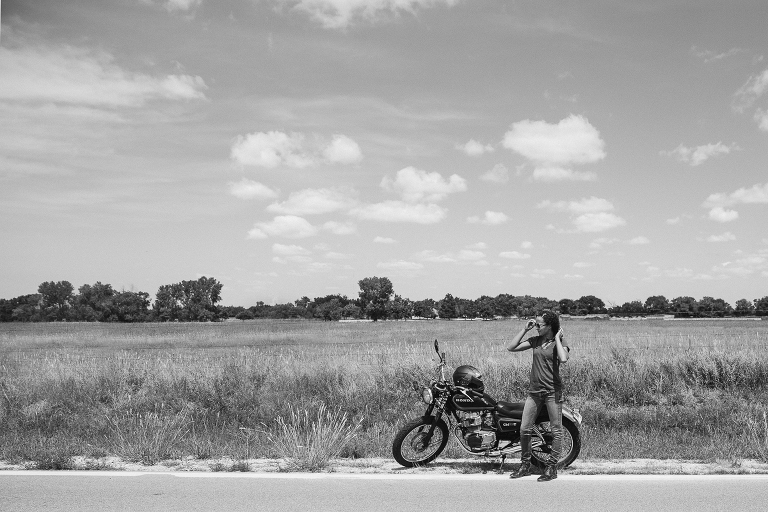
{"points": [[533, 404]]}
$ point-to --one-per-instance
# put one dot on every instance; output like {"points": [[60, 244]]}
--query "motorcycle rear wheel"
{"points": [[569, 448], [411, 448]]}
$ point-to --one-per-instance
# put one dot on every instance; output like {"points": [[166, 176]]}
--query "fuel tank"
{"points": [[473, 402]]}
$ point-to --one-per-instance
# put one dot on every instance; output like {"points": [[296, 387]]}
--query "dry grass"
{"points": [[654, 389]]}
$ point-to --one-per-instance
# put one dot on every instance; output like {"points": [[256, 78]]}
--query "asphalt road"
{"points": [[147, 492]]}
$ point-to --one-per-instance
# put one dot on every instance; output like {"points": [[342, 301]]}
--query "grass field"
{"points": [[652, 388]]}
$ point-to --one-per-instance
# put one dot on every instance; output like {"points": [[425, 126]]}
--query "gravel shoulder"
{"points": [[445, 466]]}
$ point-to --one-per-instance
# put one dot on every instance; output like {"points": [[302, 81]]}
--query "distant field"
{"points": [[650, 388]]}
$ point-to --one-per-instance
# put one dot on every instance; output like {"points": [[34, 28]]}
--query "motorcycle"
{"points": [[482, 425]]}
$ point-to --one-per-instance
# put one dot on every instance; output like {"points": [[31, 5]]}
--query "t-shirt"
{"points": [[545, 372]]}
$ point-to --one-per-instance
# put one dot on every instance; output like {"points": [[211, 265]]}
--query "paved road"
{"points": [[146, 492]]}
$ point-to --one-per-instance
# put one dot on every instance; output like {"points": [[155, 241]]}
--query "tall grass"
{"points": [[646, 389]]}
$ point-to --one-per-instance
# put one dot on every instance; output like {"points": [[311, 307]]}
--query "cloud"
{"points": [[72, 75], [340, 228], [555, 174], [761, 118], [583, 264], [526, 244], [181, 5], [474, 148], [720, 214], [400, 265], [289, 250], [709, 56], [289, 226], [415, 185], [489, 219], [588, 215], [384, 240], [464, 255], [639, 240], [340, 14], [571, 141], [270, 150], [596, 222], [248, 189], [343, 150], [598, 243], [499, 174], [700, 154], [479, 246], [399, 211], [573, 276], [757, 194], [725, 237], [586, 205], [514, 255], [315, 201], [751, 91]]}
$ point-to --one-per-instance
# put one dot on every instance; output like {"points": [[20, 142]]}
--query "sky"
{"points": [[291, 148]]}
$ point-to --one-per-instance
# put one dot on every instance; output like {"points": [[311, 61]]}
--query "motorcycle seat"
{"points": [[512, 410]]}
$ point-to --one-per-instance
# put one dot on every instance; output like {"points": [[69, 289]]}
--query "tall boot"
{"points": [[525, 462], [550, 473]]}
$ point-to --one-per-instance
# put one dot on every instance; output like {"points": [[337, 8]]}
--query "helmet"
{"points": [[470, 377]]}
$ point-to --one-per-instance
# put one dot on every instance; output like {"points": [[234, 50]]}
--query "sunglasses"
{"points": [[539, 326]]}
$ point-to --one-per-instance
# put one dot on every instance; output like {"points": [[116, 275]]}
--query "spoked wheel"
{"points": [[569, 448], [413, 446]]}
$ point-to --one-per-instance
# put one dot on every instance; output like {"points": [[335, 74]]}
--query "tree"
{"points": [[590, 305], [761, 306], [632, 308], [56, 299], [24, 308], [658, 304], [684, 306], [374, 294], [425, 308], [566, 306], [447, 307], [744, 308], [94, 303], [131, 306], [188, 300], [399, 308], [711, 307], [246, 314], [486, 307]]}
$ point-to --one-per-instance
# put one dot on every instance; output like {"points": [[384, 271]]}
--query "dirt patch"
{"points": [[445, 466]]}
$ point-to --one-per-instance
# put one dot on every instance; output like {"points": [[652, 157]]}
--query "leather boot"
{"points": [[523, 470], [550, 473]]}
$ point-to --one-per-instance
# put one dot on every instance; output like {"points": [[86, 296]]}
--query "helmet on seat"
{"points": [[469, 377]]}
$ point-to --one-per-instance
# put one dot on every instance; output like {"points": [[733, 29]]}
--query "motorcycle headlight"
{"points": [[426, 395]]}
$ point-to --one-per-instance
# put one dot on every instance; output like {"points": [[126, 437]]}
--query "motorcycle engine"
{"points": [[477, 430]]}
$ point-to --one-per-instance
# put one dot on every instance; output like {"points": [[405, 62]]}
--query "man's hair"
{"points": [[551, 319]]}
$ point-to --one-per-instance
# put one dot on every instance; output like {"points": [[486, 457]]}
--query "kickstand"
{"points": [[500, 471]]}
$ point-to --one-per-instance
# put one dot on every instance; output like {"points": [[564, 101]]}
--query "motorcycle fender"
{"points": [[572, 415]]}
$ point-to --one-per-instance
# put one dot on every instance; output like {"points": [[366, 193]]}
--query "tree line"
{"points": [[198, 301]]}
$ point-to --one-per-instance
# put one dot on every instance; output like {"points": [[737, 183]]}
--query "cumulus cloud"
{"points": [[525, 244], [289, 250], [400, 211], [583, 264], [699, 154], [638, 240], [463, 256], [340, 14], [757, 194], [761, 118], [588, 215], [400, 265], [343, 150], [725, 237], [288, 226], [514, 255], [720, 214], [340, 228], [489, 219], [270, 149], [80, 76], [553, 147], [415, 185], [552, 174], [499, 174], [474, 148], [711, 56], [315, 201], [751, 91], [249, 189], [384, 240], [278, 149]]}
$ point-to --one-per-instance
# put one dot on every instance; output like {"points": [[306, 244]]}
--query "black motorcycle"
{"points": [[482, 426]]}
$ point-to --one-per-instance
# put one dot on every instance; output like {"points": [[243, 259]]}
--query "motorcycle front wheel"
{"points": [[412, 447], [569, 448]]}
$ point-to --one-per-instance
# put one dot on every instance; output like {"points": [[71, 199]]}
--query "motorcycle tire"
{"points": [[569, 451], [408, 447]]}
